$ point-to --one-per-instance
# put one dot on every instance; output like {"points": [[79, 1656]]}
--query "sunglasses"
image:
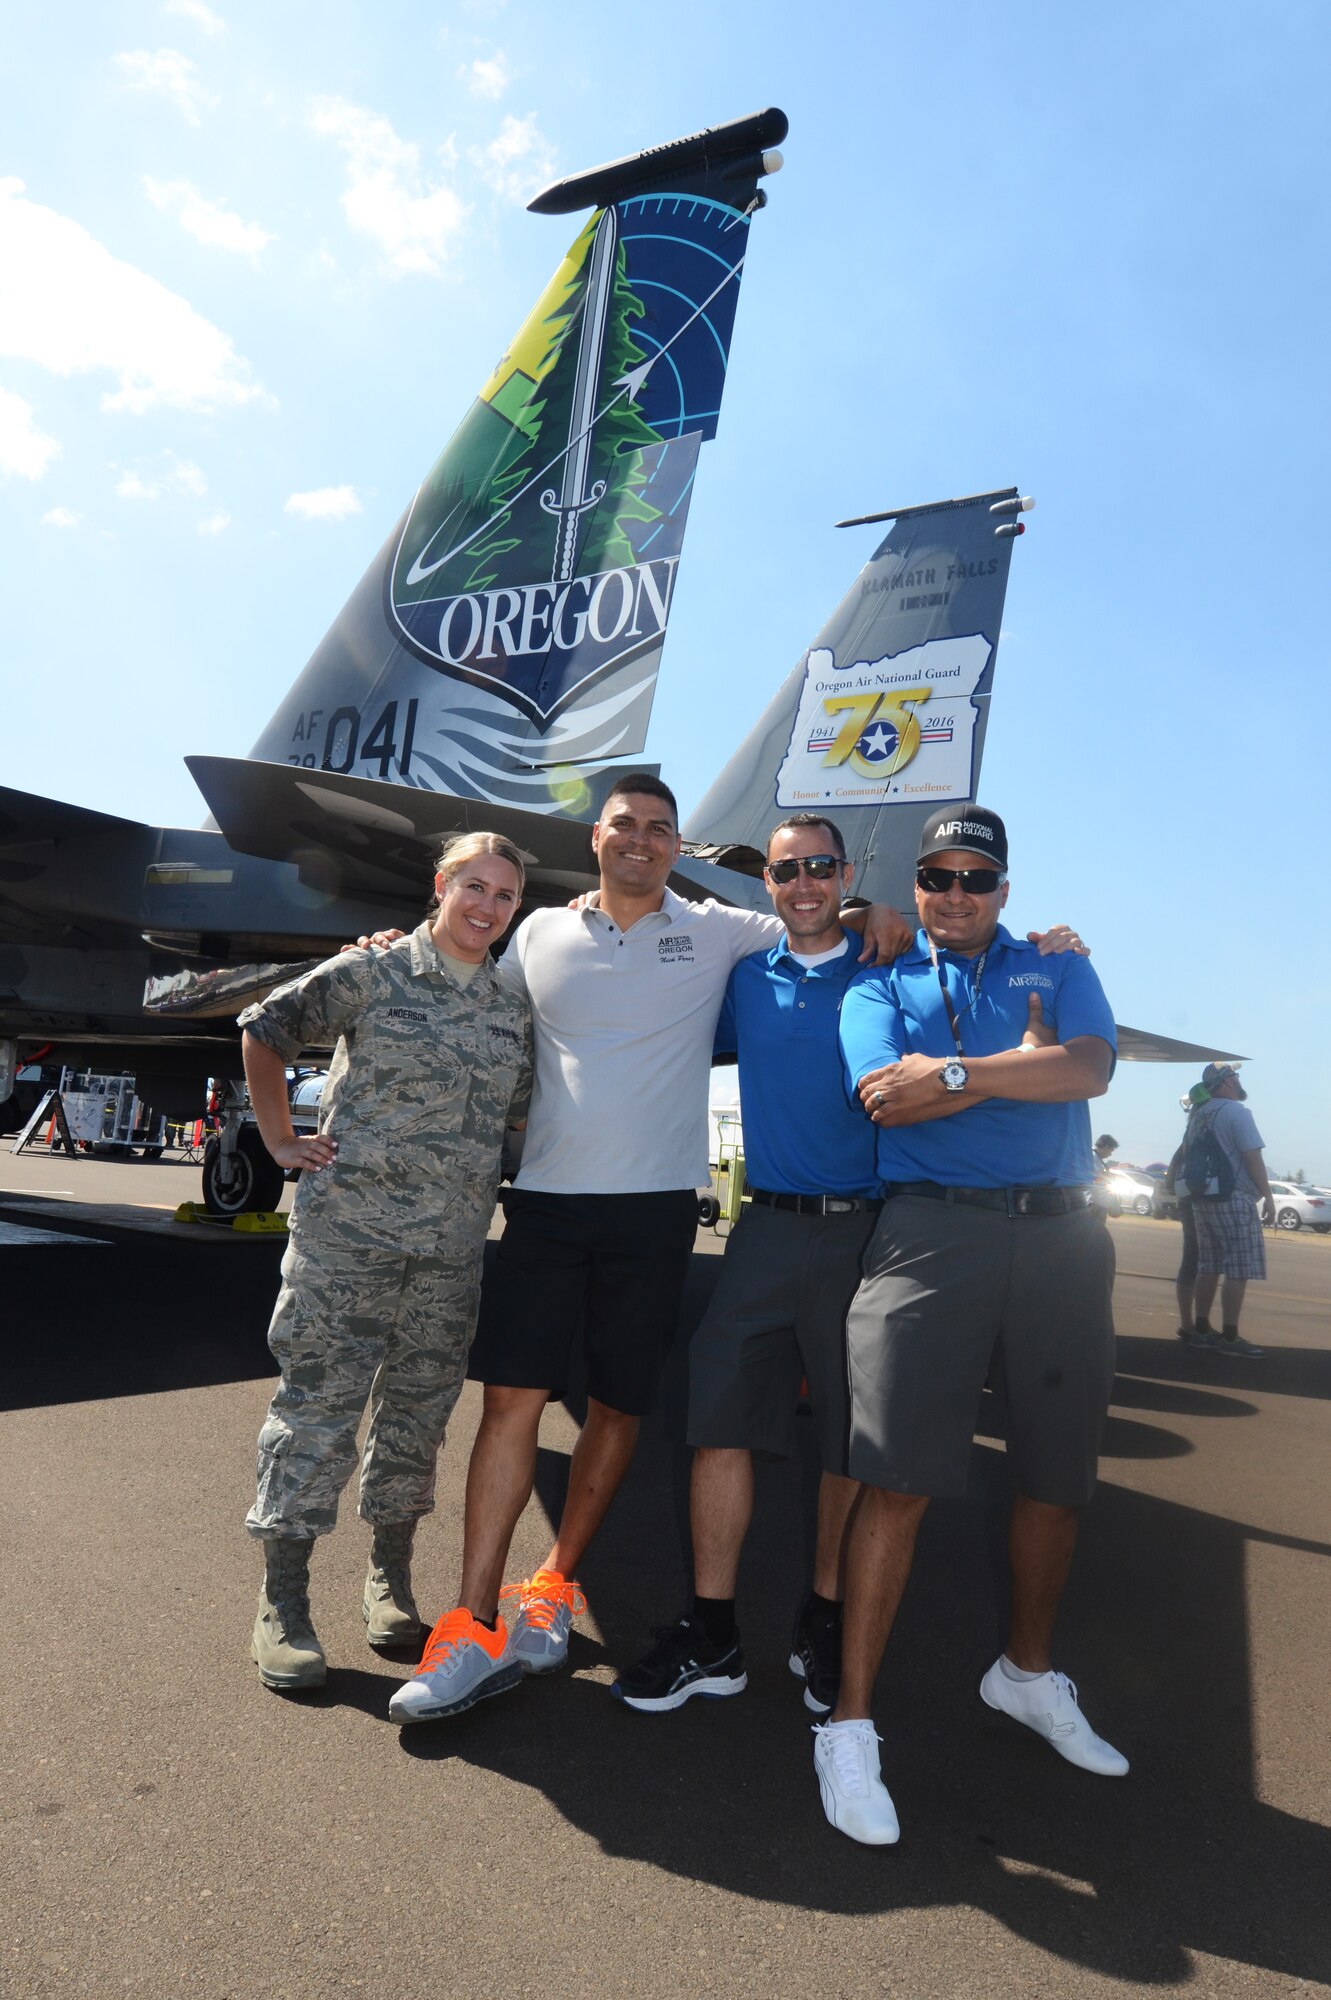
{"points": [[974, 881], [818, 868]]}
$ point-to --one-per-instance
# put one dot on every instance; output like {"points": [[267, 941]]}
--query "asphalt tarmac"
{"points": [[171, 1828]]}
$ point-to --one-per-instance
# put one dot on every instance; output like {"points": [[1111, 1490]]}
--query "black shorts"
{"points": [[610, 1267], [1187, 1270]]}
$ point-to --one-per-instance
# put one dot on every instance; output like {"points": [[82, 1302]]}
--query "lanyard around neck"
{"points": [[947, 997]]}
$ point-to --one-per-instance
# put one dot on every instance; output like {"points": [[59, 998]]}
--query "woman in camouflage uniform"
{"points": [[381, 1278]]}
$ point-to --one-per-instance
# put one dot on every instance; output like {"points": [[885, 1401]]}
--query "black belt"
{"points": [[1012, 1200], [817, 1204]]}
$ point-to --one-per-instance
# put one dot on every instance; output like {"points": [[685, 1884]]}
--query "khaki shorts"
{"points": [[953, 1295]]}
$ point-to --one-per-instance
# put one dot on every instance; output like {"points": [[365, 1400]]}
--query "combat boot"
{"points": [[285, 1647], [388, 1607]]}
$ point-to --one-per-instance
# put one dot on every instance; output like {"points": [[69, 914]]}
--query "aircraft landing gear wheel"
{"points": [[256, 1178], [1287, 1218], [1143, 1204]]}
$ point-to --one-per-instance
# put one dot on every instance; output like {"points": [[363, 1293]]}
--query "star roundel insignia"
{"points": [[879, 743]]}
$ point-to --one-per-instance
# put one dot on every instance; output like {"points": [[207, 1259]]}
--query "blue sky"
{"points": [[254, 263]]}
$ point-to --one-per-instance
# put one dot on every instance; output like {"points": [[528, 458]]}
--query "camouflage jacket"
{"points": [[425, 1076]]}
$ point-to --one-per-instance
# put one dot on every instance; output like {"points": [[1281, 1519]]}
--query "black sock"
{"points": [[714, 1616], [822, 1607], [489, 1623], [1202, 1324], [1229, 1333]]}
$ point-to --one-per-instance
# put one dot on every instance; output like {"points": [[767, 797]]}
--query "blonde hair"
{"points": [[460, 848]]}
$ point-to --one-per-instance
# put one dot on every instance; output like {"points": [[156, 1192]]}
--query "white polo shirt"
{"points": [[623, 1024]]}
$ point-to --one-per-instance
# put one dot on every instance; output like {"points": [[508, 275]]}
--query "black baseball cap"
{"points": [[973, 828]]}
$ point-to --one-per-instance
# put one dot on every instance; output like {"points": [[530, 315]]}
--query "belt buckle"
{"points": [[1019, 1202], [835, 1204]]}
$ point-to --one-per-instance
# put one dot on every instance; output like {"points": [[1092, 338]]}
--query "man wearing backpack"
{"points": [[1224, 1191]]}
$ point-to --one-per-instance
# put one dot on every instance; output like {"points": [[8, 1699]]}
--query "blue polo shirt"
{"points": [[894, 1010], [802, 1133]]}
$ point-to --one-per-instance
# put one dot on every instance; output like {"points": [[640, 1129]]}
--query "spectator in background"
{"points": [[1188, 1329], [1229, 1235]]}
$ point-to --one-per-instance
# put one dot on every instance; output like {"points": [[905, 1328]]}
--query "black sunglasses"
{"points": [[975, 881], [818, 868]]}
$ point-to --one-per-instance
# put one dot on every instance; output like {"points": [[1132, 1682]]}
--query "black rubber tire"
{"points": [[256, 1182], [1142, 1205], [709, 1211], [1288, 1218]]}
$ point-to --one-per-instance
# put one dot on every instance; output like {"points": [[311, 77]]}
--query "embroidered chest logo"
{"points": [[407, 1014], [675, 948], [1040, 979]]}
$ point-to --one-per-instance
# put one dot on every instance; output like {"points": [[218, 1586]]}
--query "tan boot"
{"points": [[285, 1647], [388, 1607]]}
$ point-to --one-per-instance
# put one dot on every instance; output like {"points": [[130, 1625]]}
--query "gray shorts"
{"points": [[954, 1294], [778, 1315]]}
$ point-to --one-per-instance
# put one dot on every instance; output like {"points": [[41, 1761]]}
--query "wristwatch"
{"points": [[954, 1074]]}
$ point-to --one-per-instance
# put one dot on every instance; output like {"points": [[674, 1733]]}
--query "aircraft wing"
{"points": [[357, 837], [1140, 1045]]}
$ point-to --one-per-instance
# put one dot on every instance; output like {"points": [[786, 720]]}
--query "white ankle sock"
{"points": [[1016, 1673]]}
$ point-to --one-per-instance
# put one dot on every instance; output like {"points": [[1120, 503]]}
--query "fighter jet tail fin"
{"points": [[883, 719], [509, 632]]}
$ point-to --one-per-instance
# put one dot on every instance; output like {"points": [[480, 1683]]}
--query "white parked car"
{"points": [[1299, 1206], [1126, 1191]]}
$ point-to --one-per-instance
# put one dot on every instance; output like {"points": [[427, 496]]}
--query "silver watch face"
{"points": [[954, 1075]]}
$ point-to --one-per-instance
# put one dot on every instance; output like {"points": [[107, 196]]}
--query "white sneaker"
{"points": [[463, 1663], [855, 1799], [547, 1606], [1049, 1707]]}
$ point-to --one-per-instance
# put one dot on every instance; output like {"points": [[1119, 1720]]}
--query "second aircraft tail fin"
{"points": [[883, 720]]}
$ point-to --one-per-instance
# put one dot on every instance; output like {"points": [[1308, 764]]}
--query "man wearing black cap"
{"points": [[1229, 1234], [975, 1057]]}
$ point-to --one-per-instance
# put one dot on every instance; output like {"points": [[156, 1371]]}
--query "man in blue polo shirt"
{"points": [[791, 1268], [986, 1262]]}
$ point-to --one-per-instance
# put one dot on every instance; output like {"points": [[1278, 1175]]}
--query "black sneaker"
{"points": [[815, 1656], [683, 1662]]}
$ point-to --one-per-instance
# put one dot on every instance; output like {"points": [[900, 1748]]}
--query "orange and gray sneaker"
{"points": [[463, 1662], [547, 1606]]}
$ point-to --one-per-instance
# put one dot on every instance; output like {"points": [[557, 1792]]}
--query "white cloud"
{"points": [[208, 222], [518, 161], [61, 517], [325, 503], [67, 304], [178, 475], [24, 450], [388, 198], [166, 73], [215, 524], [197, 11], [488, 76]]}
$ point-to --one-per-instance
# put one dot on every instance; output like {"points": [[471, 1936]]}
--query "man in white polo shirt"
{"points": [[625, 994]]}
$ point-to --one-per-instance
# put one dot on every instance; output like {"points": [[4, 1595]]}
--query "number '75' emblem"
{"points": [[879, 734]]}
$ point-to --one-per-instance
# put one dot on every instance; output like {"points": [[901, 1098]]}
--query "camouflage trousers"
{"points": [[352, 1327]]}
